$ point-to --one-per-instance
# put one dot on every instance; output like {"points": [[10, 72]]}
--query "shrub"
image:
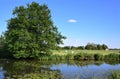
{"points": [[79, 56], [88, 56], [69, 57], [98, 56], [54, 57]]}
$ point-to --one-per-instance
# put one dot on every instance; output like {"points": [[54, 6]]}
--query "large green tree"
{"points": [[31, 31]]}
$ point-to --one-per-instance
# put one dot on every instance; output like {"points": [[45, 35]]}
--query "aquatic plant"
{"points": [[112, 56], [115, 75]]}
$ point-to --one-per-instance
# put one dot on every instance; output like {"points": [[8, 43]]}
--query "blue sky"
{"points": [[81, 21]]}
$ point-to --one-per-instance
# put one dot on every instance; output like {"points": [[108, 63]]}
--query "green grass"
{"points": [[65, 52], [82, 55], [85, 55]]}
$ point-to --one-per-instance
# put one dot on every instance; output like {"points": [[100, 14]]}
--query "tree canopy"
{"points": [[92, 46], [31, 31]]}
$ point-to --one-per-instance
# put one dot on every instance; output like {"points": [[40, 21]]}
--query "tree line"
{"points": [[89, 46]]}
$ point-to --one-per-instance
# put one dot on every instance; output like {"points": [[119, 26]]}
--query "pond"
{"points": [[34, 69]]}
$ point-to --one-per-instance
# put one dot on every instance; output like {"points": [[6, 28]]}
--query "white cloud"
{"points": [[72, 20]]}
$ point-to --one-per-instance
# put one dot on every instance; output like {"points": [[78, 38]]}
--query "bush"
{"points": [[69, 57], [79, 56], [98, 57], [84, 56], [57, 57], [88, 56]]}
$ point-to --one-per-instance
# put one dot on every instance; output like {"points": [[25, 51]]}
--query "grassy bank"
{"points": [[103, 52], [82, 55]]}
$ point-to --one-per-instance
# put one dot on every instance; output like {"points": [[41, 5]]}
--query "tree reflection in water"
{"points": [[28, 70], [34, 69]]}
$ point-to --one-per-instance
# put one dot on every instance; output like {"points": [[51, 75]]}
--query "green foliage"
{"points": [[2, 41], [89, 46], [99, 47], [69, 57], [115, 75], [79, 56], [80, 47], [88, 56], [3, 51], [98, 57], [73, 47], [104, 47], [112, 56], [84, 56], [92, 46], [31, 32], [66, 47], [30, 70]]}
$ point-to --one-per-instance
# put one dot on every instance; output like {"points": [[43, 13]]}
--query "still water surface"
{"points": [[57, 69]]}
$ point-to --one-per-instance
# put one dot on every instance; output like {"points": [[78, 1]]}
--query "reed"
{"points": [[112, 56], [98, 56], [115, 75], [81, 56]]}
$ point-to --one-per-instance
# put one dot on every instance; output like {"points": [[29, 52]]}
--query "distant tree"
{"points": [[99, 47], [104, 47], [58, 48], [91, 46], [66, 47], [73, 47], [80, 47], [32, 32]]}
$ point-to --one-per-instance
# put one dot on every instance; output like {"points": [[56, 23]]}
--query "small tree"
{"points": [[32, 32]]}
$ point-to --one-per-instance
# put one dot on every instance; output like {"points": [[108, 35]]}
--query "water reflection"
{"points": [[27, 69], [2, 73], [56, 69]]}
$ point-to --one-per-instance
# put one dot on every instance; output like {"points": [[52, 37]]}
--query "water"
{"points": [[56, 69], [85, 72]]}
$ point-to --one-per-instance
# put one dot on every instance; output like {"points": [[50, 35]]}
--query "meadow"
{"points": [[82, 55], [65, 52]]}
